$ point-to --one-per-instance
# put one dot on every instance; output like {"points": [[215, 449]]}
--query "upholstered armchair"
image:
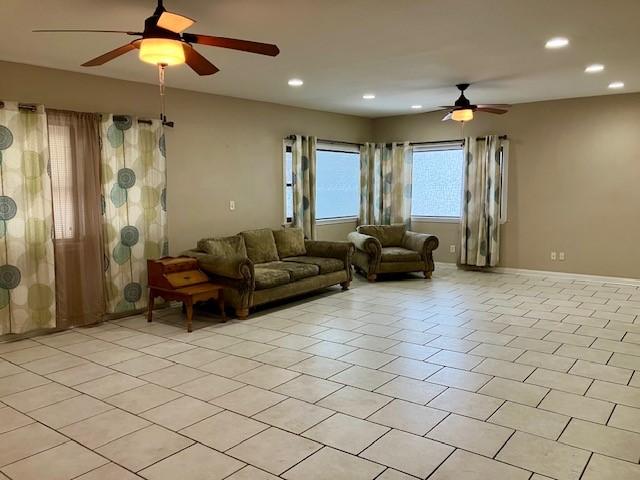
{"points": [[392, 249]]}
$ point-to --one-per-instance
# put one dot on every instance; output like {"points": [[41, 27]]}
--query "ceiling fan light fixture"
{"points": [[594, 68], [162, 51], [464, 115], [557, 42]]}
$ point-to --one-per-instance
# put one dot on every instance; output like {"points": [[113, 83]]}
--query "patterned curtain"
{"points": [[385, 183], [482, 202], [27, 287], [303, 159], [134, 206]]}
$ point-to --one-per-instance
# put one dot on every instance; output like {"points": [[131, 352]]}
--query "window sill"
{"points": [[330, 221], [435, 219]]}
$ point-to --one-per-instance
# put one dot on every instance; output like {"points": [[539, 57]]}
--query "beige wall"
{"points": [[574, 181], [221, 148]]}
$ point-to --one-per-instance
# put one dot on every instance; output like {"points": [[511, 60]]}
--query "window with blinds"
{"points": [[60, 157]]}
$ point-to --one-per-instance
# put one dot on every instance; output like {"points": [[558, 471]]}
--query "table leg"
{"points": [[221, 305], [150, 306], [189, 305]]}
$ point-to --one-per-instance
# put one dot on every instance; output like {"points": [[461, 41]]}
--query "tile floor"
{"points": [[466, 376]]}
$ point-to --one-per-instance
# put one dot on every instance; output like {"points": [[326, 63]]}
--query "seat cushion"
{"points": [[326, 265], [399, 254], [289, 242], [389, 235], [260, 245], [270, 277], [224, 246], [297, 271]]}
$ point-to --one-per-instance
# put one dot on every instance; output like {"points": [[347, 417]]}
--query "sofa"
{"points": [[260, 266], [392, 249]]}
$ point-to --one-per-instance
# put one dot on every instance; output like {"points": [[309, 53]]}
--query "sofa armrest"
{"points": [[366, 243], [423, 243], [236, 272]]}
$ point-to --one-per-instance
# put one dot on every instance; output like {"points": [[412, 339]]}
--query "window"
{"points": [[337, 182], [437, 181], [62, 180]]}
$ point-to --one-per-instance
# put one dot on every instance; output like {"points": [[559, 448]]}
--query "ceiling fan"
{"points": [[164, 43], [462, 110]]}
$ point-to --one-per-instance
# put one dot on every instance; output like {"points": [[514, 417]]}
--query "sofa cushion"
{"points": [[326, 265], [270, 277], [224, 246], [289, 242], [389, 235], [260, 245], [399, 254], [297, 271]]}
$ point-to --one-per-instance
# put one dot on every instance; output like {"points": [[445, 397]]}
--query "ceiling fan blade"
{"points": [[448, 107], [498, 111], [174, 22], [107, 57], [88, 31], [197, 62], [232, 43], [447, 117], [495, 105]]}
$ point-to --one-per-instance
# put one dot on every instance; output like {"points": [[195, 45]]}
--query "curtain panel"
{"points": [[74, 152], [133, 172], [303, 162], [27, 287], [385, 183], [481, 206]]}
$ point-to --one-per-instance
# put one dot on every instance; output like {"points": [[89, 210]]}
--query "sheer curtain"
{"points": [[74, 149]]}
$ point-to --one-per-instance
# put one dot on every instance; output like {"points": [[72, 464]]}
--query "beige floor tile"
{"points": [[501, 368], [86, 348], [356, 402], [139, 341], [330, 464], [346, 433], [609, 441], [328, 349], [7, 368], [362, 377], [181, 413], [470, 434], [411, 350], [20, 382], [294, 415], [450, 344], [531, 420], [274, 450], [142, 365], [26, 441], [17, 345], [54, 363], [109, 471], [601, 372], [252, 473], [416, 391], [266, 376], [144, 447], [497, 352], [173, 375], [391, 474], [408, 453], [143, 398], [468, 466], [622, 360], [70, 411], [613, 392], [372, 343], [466, 403], [103, 428], [11, 419], [167, 349], [320, 367], [248, 400], [194, 463], [39, 397], [452, 377], [546, 360], [80, 374], [411, 368], [368, 358], [307, 388], [459, 360], [626, 418], [112, 355], [543, 456], [110, 385], [515, 391], [224, 430], [408, 417], [249, 349], [29, 354], [283, 357], [613, 346], [606, 468], [577, 406], [570, 339], [60, 463], [62, 339], [583, 353], [196, 357], [559, 381], [230, 366]]}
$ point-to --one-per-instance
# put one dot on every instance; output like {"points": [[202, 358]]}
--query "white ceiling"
{"points": [[405, 51]]}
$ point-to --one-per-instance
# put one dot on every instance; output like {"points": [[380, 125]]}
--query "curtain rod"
{"points": [[23, 106], [457, 140]]}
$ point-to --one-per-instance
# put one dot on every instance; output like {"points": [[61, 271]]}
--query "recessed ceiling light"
{"points": [[616, 85], [594, 68], [416, 107], [368, 96], [557, 42], [295, 82]]}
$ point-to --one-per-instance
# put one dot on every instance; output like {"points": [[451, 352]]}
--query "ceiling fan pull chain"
{"points": [[161, 68]]}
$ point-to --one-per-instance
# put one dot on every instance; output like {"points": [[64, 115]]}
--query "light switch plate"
{"points": [[452, 249], [232, 204], [554, 256]]}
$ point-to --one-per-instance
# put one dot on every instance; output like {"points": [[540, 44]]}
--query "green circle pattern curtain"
{"points": [[134, 197], [27, 288]]}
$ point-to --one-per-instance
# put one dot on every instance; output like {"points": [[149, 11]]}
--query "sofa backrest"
{"points": [[260, 245], [290, 242], [224, 246], [389, 235]]}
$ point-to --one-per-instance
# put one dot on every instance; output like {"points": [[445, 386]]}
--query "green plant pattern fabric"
{"points": [[480, 242], [303, 162], [27, 273], [134, 194], [385, 183]]}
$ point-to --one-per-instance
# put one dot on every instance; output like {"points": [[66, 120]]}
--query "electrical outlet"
{"points": [[554, 256], [561, 256], [452, 249], [232, 204]]}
